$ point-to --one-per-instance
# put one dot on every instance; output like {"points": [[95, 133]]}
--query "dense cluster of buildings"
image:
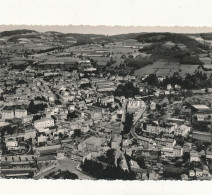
{"points": [[53, 111]]}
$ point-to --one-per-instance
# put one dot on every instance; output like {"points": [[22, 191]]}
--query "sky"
{"points": [[131, 15], [107, 12]]}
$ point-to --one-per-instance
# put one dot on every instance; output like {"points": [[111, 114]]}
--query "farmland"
{"points": [[164, 68]]}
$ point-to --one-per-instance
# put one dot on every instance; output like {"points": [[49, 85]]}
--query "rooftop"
{"points": [[200, 107]]}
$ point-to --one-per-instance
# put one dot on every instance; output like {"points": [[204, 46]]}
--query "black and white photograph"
{"points": [[96, 101]]}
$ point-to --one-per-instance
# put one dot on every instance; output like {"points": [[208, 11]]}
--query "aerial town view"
{"points": [[132, 106]]}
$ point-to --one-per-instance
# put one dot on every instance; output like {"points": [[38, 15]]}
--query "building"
{"points": [[170, 143], [134, 105], [178, 151], [42, 139], [106, 100], [144, 141], [80, 156], [194, 156], [202, 136], [30, 133], [182, 130], [116, 140], [154, 128], [169, 87], [27, 119], [20, 113], [47, 159], [7, 114], [167, 152], [12, 144], [90, 143], [208, 154], [191, 173], [43, 123]]}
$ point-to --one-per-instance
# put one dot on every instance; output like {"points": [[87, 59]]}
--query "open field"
{"points": [[164, 68]]}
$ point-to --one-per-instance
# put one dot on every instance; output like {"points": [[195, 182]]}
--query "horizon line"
{"points": [[107, 29]]}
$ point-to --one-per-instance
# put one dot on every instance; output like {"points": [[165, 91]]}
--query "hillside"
{"points": [[171, 46], [16, 32], [206, 36], [173, 37], [63, 38]]}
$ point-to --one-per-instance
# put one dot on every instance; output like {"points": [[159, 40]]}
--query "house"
{"points": [[184, 177], [116, 140], [206, 172], [60, 154], [30, 133], [42, 139], [11, 144], [123, 163], [134, 165], [80, 156], [71, 107], [153, 175], [199, 108], [106, 100], [191, 173], [160, 141], [169, 87], [178, 151], [144, 141], [170, 143], [208, 154], [182, 130], [145, 176], [194, 156], [27, 118], [152, 105], [167, 152], [20, 113], [199, 172]]}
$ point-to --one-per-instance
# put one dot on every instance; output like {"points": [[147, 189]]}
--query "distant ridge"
{"points": [[106, 30]]}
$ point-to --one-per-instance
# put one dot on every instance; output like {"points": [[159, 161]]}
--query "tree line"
{"points": [[98, 171], [197, 80]]}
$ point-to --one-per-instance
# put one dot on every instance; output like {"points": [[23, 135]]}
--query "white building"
{"points": [[12, 144], [178, 151], [182, 130], [19, 113], [194, 156], [43, 123], [133, 105], [169, 87], [71, 107], [7, 114], [42, 139]]}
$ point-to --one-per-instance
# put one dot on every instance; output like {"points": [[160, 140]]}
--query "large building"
{"points": [[10, 114], [153, 128], [44, 123], [134, 105], [202, 136]]}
